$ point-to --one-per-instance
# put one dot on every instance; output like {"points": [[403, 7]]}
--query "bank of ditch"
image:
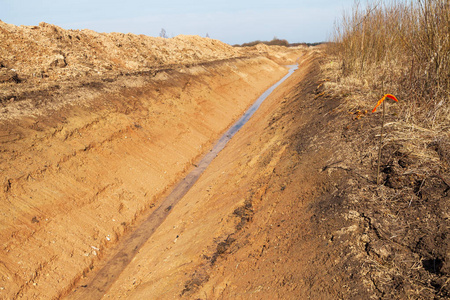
{"points": [[76, 175]]}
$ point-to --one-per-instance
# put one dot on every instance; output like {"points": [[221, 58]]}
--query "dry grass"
{"points": [[401, 48]]}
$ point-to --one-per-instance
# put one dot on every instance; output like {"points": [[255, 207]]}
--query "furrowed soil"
{"points": [[97, 128]]}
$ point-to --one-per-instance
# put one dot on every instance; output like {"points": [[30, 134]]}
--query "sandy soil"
{"points": [[289, 209], [84, 155]]}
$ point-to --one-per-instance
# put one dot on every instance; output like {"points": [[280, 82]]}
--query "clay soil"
{"points": [[290, 209]]}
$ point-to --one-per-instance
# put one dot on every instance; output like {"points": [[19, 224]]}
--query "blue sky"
{"points": [[231, 21]]}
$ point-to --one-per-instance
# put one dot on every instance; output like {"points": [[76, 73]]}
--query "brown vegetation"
{"points": [[404, 49]]}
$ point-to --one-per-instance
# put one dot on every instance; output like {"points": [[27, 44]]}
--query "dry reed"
{"points": [[402, 48]]}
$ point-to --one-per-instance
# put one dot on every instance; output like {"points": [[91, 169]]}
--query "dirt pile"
{"points": [[48, 51], [279, 54], [50, 62]]}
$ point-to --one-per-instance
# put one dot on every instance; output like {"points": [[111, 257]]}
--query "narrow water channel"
{"points": [[130, 246]]}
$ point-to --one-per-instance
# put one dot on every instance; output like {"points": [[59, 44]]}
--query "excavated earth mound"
{"points": [[94, 128], [48, 51]]}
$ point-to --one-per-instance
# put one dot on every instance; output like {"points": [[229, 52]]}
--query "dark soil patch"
{"points": [[393, 239]]}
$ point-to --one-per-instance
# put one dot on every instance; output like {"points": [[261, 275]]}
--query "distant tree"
{"points": [[163, 33]]}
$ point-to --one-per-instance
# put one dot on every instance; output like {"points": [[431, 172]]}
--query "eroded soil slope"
{"points": [[86, 149]]}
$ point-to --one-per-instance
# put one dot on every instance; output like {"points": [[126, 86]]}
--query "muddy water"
{"points": [[129, 247]]}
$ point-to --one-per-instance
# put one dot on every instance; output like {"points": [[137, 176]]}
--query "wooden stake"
{"points": [[381, 145]]}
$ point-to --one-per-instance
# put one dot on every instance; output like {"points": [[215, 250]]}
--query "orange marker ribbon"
{"points": [[384, 98]]}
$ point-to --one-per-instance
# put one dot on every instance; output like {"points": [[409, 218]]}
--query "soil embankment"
{"points": [[84, 152]]}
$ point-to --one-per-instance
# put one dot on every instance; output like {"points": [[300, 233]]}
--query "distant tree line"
{"points": [[307, 44], [276, 42]]}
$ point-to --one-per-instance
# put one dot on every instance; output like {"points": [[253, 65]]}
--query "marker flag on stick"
{"points": [[384, 98]]}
